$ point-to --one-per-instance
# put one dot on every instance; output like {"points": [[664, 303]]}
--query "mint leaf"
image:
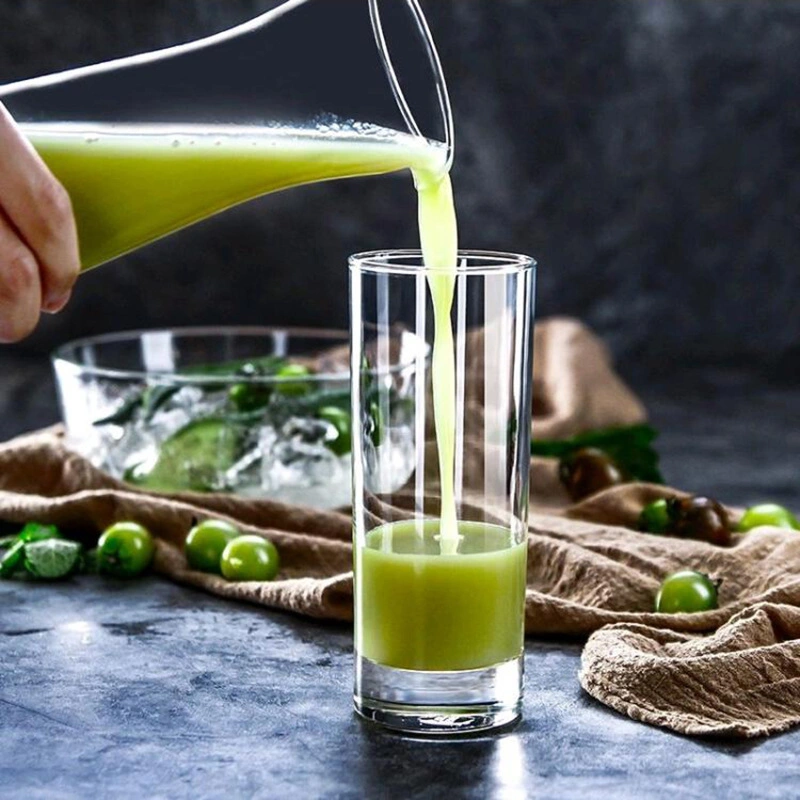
{"points": [[52, 558], [154, 398], [630, 447]]}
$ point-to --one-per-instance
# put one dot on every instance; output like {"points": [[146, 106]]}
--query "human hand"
{"points": [[39, 259]]}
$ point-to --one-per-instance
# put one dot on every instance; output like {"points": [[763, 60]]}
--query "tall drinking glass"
{"points": [[440, 562]]}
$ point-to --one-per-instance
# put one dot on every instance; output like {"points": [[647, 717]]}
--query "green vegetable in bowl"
{"points": [[214, 453], [247, 397], [376, 429], [51, 559], [340, 442], [686, 592], [192, 458], [206, 542], [145, 402], [767, 514], [307, 405], [250, 558], [125, 550], [124, 414], [290, 379]]}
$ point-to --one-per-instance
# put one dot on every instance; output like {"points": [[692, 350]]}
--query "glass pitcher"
{"points": [[311, 90]]}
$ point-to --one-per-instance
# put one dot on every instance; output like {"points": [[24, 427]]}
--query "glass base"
{"points": [[439, 703]]}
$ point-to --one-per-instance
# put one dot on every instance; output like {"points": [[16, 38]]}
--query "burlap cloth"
{"points": [[587, 573]]}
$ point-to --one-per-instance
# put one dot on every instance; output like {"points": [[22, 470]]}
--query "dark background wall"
{"points": [[647, 152]]}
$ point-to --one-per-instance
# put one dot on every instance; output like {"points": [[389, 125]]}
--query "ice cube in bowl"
{"points": [[227, 409]]}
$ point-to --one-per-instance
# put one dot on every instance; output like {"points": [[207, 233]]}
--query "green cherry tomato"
{"points": [[655, 517], [767, 514], [125, 550], [248, 397], [292, 387], [686, 592], [341, 440], [250, 558], [205, 543]]}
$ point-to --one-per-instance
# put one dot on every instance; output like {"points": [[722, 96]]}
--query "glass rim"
{"points": [[65, 353], [470, 262]]}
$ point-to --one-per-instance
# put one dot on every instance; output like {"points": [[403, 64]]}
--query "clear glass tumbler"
{"points": [[440, 561]]}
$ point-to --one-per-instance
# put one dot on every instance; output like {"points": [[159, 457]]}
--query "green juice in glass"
{"points": [[420, 609]]}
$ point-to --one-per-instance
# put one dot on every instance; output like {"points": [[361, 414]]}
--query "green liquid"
{"points": [[132, 185], [439, 237], [419, 609]]}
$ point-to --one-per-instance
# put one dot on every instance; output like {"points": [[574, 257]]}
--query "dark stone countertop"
{"points": [[151, 690]]}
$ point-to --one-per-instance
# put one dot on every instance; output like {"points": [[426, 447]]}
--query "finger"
{"points": [[54, 305], [20, 285], [39, 207]]}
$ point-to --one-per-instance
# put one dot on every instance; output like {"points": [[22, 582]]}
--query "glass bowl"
{"points": [[262, 412]]}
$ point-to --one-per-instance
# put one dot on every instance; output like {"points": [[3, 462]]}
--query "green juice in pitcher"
{"points": [[131, 185]]}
